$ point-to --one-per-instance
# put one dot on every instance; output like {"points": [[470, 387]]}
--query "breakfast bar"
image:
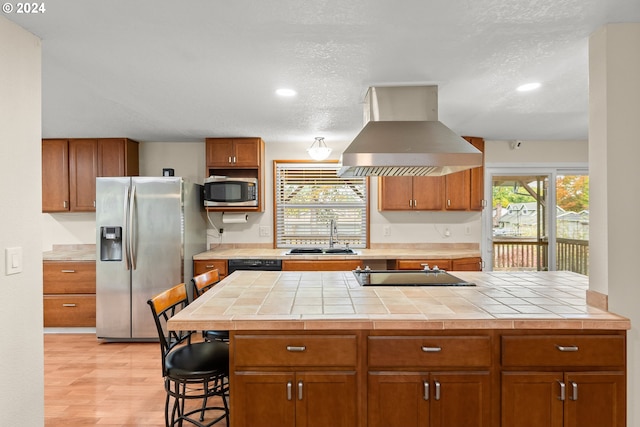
{"points": [[318, 349]]}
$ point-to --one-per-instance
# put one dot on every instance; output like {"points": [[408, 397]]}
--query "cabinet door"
{"points": [[219, 152], [118, 157], [467, 264], [595, 399], [428, 193], [476, 202], [397, 399], [265, 397], [460, 399], [395, 193], [418, 264], [55, 175], [457, 191], [83, 170], [247, 152], [326, 399], [531, 399]]}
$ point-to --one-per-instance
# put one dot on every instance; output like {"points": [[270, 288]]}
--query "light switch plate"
{"points": [[13, 260], [264, 231]]}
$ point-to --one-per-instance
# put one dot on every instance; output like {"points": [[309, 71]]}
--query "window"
{"points": [[308, 196]]}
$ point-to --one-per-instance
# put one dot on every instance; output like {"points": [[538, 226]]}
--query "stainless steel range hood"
{"points": [[402, 136]]}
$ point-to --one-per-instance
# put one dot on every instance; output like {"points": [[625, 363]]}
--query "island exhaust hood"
{"points": [[402, 136]]}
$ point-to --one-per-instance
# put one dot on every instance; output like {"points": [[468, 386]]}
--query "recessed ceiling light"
{"points": [[529, 86], [286, 92]]}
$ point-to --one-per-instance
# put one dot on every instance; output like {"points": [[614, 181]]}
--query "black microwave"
{"points": [[227, 191]]}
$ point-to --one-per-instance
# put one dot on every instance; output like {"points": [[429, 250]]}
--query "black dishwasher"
{"points": [[254, 264]]}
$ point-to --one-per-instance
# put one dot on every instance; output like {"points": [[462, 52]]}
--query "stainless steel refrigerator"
{"points": [[147, 231]]}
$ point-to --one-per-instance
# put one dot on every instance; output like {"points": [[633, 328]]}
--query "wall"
{"points": [[403, 227], [21, 351]]}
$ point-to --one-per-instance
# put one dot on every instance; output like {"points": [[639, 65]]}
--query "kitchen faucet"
{"points": [[333, 232]]}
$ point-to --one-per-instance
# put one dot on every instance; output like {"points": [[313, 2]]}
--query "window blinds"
{"points": [[309, 196]]}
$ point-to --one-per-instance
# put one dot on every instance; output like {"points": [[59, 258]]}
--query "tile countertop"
{"points": [[263, 300], [387, 253]]}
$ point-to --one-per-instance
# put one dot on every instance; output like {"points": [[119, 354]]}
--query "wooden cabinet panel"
{"points": [[442, 399], [563, 350], [55, 175], [69, 293], [201, 266], [263, 398], [457, 191], [326, 399], [321, 265], [427, 193], [533, 394], [429, 351], [118, 157], [418, 264], [233, 152], [83, 170], [477, 200], [599, 399], [69, 277], [296, 350], [395, 193], [467, 264]]}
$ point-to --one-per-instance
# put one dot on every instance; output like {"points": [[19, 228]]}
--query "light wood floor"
{"points": [[88, 382]]}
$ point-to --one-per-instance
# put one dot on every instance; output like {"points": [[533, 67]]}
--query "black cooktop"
{"points": [[408, 278]]}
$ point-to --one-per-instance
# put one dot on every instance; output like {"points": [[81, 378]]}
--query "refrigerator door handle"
{"points": [[132, 205], [127, 256]]}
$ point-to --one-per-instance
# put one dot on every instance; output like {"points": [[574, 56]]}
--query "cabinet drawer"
{"points": [[426, 351], [69, 310], [202, 266], [69, 277], [334, 265], [416, 264], [295, 350], [563, 350]]}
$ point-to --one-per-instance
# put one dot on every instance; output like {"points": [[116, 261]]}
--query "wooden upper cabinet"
{"points": [[477, 200], [457, 191], [70, 168], [410, 193], [118, 157], [83, 170], [55, 175], [233, 152]]}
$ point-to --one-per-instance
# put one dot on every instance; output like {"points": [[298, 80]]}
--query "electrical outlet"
{"points": [[386, 230], [467, 230], [447, 232], [264, 231]]}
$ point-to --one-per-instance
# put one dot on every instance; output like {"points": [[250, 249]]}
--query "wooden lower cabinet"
{"points": [[563, 399], [321, 265], [69, 293], [420, 399], [301, 399], [202, 266]]}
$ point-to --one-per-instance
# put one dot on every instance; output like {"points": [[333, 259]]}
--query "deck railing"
{"points": [[525, 255]]}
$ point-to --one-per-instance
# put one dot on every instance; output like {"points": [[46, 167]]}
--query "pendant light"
{"points": [[319, 149]]}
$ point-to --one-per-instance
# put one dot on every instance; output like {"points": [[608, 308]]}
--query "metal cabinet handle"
{"points": [[68, 305], [296, 348], [431, 349], [94, 203], [64, 204], [425, 396], [574, 391], [67, 271], [289, 387], [562, 390], [234, 159], [567, 348], [300, 390], [437, 384], [410, 203], [448, 202], [415, 203], [230, 159], [209, 266]]}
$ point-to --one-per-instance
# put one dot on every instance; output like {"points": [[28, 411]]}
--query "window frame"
{"points": [[276, 223]]}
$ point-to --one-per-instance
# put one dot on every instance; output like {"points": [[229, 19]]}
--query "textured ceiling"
{"points": [[159, 70]]}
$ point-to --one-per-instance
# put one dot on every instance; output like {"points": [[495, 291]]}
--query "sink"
{"points": [[321, 251]]}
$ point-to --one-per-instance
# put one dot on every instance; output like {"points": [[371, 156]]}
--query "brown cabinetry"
{"points": [[467, 264], [429, 381], [237, 158], [201, 266], [419, 264], [564, 380], [69, 289], [460, 191], [70, 168], [295, 380], [321, 265]]}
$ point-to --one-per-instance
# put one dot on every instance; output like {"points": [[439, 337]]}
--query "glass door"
{"points": [[572, 222], [520, 226]]}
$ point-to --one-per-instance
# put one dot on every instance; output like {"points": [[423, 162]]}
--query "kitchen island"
{"points": [[318, 349]]}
